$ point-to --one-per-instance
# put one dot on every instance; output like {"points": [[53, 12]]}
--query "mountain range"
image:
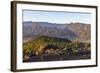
{"points": [[71, 31]]}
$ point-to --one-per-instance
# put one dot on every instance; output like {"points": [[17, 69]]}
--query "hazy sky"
{"points": [[56, 17]]}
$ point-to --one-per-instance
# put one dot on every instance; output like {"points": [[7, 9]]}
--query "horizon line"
{"points": [[58, 23]]}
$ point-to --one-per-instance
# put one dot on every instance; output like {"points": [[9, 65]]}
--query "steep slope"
{"points": [[83, 31]]}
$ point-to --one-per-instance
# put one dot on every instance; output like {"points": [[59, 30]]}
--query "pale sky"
{"points": [[56, 17]]}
